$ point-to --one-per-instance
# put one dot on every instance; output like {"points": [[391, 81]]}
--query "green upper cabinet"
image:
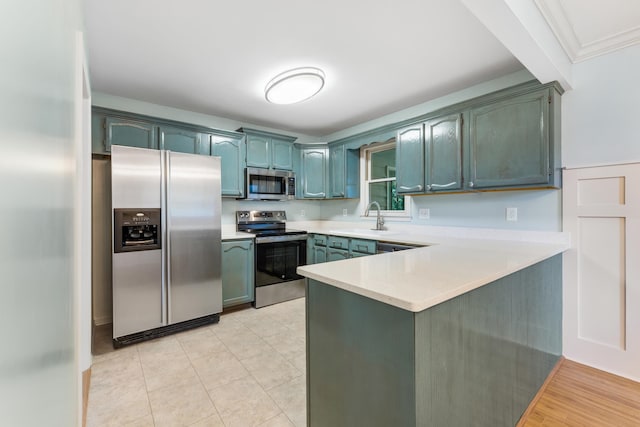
{"points": [[443, 153], [281, 154], [337, 161], [237, 272], [312, 175], [410, 159], [232, 152], [429, 156], [509, 142], [258, 151], [344, 172], [132, 133], [268, 150], [183, 140]]}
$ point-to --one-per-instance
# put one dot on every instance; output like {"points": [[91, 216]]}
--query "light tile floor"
{"points": [[247, 370]]}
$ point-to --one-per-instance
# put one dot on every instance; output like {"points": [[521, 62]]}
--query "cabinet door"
{"points": [[282, 155], [232, 154], [258, 151], [313, 173], [131, 133], [316, 254], [237, 272], [337, 254], [183, 141], [337, 171], [509, 142], [443, 147], [319, 254], [410, 160]]}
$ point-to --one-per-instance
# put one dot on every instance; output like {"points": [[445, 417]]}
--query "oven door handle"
{"points": [[277, 239]]}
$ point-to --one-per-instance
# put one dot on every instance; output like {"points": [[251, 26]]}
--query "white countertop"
{"points": [[458, 261], [228, 232]]}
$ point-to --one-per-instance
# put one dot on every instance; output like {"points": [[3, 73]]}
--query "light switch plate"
{"points": [[424, 213], [302, 212], [512, 214], [344, 212]]}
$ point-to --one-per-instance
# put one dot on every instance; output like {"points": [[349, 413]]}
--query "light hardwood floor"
{"points": [[578, 395]]}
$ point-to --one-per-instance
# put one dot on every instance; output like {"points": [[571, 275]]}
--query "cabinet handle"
{"points": [[451, 184], [471, 184], [418, 187]]}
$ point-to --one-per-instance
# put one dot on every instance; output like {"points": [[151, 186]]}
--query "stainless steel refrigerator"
{"points": [[166, 242]]}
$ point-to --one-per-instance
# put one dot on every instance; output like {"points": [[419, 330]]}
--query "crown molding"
{"points": [[562, 27]]}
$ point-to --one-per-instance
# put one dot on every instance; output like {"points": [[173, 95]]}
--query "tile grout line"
{"points": [[146, 387], [200, 379]]}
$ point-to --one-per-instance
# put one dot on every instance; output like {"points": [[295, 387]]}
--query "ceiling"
{"points": [[216, 57], [379, 57]]}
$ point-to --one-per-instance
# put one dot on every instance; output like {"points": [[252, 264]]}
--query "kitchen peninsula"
{"points": [[462, 332]]}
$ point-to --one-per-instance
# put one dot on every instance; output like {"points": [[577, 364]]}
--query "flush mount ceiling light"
{"points": [[294, 86]]}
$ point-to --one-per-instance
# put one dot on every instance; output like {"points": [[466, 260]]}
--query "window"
{"points": [[379, 183]]}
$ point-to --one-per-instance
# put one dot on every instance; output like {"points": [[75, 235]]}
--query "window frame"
{"points": [[365, 166]]}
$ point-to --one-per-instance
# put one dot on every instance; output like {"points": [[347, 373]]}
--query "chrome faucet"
{"points": [[379, 219]]}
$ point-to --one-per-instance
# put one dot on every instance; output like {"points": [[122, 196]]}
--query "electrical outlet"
{"points": [[345, 212], [302, 213], [512, 214], [424, 213]]}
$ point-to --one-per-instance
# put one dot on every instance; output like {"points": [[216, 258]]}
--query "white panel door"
{"points": [[601, 210]]}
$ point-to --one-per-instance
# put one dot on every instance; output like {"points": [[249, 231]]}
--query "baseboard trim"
{"points": [[86, 382], [545, 384], [99, 321]]}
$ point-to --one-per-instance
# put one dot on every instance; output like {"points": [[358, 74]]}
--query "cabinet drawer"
{"points": [[363, 246], [338, 242], [318, 239]]}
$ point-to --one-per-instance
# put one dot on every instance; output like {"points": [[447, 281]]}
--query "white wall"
{"points": [[38, 371], [600, 116]]}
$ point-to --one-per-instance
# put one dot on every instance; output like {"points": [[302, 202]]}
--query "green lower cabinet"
{"points": [[316, 255], [316, 248], [324, 248], [184, 141], [475, 360], [132, 133], [337, 254], [237, 272]]}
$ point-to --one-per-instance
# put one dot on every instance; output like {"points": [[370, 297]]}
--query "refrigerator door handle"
{"points": [[165, 238], [167, 252]]}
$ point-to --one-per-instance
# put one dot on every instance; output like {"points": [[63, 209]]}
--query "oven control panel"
{"points": [[244, 217]]}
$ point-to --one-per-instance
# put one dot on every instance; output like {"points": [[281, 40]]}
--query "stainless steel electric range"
{"points": [[279, 251]]}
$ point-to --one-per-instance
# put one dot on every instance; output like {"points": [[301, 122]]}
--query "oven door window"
{"points": [[277, 262]]}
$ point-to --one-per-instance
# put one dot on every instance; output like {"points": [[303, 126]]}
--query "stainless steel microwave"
{"points": [[270, 184]]}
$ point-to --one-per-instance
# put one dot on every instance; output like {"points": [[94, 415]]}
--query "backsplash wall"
{"points": [[294, 208], [538, 210]]}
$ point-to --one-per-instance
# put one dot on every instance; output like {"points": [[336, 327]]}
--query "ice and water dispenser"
{"points": [[136, 230]]}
